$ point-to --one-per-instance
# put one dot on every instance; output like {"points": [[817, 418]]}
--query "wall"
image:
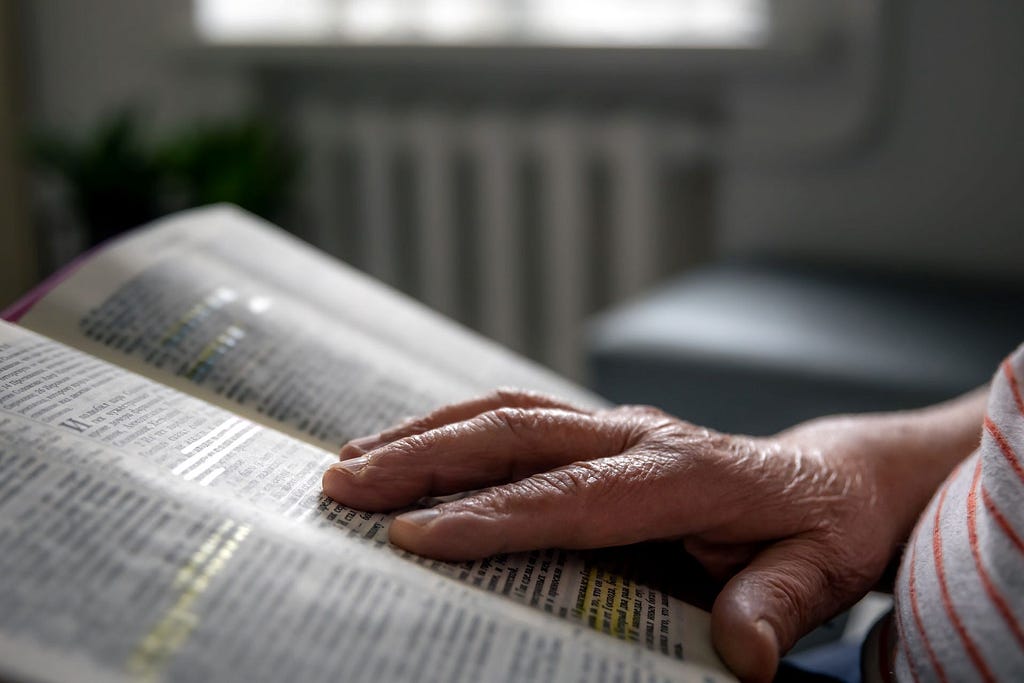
{"points": [[939, 185], [86, 59], [18, 263]]}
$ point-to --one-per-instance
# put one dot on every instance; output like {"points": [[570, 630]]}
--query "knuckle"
{"points": [[489, 504], [513, 420], [514, 396], [407, 447], [653, 412], [419, 425], [567, 481], [649, 468], [657, 430], [525, 398], [794, 596], [647, 419], [412, 425], [652, 415], [508, 396], [634, 413]]}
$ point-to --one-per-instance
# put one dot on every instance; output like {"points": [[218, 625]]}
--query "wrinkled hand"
{"points": [[800, 525]]}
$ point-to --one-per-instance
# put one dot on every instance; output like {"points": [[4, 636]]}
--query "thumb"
{"points": [[761, 612]]}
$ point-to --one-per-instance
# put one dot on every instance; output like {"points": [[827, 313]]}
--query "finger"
{"points": [[787, 590], [457, 412], [720, 560], [607, 502], [495, 447]]}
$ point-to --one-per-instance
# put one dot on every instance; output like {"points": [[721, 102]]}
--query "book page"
{"points": [[144, 532], [219, 304]]}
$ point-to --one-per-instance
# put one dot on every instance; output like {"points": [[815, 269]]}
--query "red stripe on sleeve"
{"points": [[1005, 447], [1001, 520], [901, 641], [1014, 387], [986, 580], [939, 671], [947, 600]]}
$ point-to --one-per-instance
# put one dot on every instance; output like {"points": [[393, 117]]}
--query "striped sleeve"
{"points": [[960, 591]]}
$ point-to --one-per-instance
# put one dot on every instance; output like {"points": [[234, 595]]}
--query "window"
{"points": [[685, 23]]}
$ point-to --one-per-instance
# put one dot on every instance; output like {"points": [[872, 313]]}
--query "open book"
{"points": [[167, 409]]}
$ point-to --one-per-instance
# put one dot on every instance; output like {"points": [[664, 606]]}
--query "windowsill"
{"points": [[669, 61], [803, 39], [799, 35]]}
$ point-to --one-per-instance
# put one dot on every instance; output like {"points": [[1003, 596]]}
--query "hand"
{"points": [[800, 525]]}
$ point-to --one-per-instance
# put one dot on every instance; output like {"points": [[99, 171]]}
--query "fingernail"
{"points": [[329, 483], [768, 632], [419, 518], [357, 447], [332, 480], [332, 483], [352, 466]]}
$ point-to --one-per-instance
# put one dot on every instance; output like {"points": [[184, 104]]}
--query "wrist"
{"points": [[907, 455]]}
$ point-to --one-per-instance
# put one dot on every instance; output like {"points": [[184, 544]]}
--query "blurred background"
{"points": [[746, 211]]}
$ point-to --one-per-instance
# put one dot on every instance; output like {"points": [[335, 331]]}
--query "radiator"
{"points": [[518, 224]]}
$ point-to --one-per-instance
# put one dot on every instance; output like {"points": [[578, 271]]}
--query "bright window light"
{"points": [[726, 23], [460, 20], [264, 20], [648, 21]]}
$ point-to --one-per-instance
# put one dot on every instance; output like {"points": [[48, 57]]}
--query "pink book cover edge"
{"points": [[19, 308]]}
